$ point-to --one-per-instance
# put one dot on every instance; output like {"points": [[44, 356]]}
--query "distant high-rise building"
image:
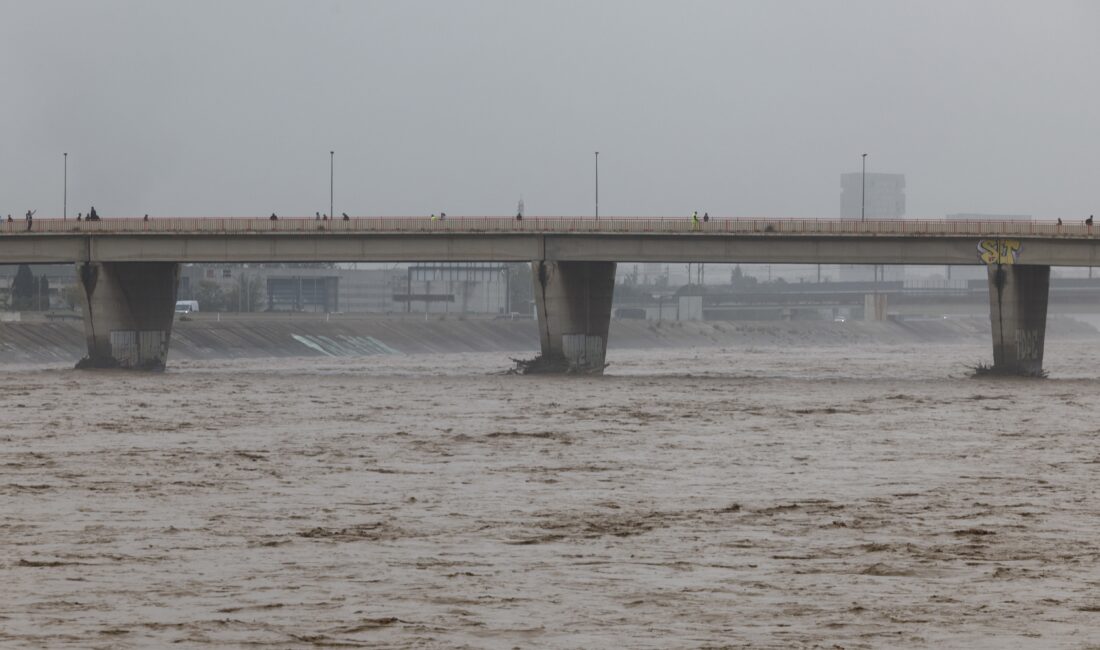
{"points": [[885, 198]]}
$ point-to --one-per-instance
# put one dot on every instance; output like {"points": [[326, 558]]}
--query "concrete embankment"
{"points": [[208, 337]]}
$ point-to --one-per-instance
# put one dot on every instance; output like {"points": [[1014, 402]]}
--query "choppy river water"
{"points": [[759, 497]]}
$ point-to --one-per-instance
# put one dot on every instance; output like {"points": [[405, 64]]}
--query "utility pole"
{"points": [[597, 186], [65, 193], [863, 192], [331, 158]]}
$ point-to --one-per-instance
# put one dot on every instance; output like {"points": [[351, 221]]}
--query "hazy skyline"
{"points": [[736, 108]]}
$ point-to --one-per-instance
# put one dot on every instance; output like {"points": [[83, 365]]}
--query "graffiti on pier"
{"points": [[999, 251], [1029, 344]]}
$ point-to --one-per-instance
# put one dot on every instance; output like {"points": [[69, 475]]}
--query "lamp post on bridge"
{"points": [[65, 192], [331, 159], [597, 186], [863, 191]]}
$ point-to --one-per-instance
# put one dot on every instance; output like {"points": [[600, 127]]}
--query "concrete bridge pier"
{"points": [[874, 306], [128, 312], [1018, 313], [573, 302]]}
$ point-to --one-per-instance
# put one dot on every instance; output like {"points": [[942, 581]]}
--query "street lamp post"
{"points": [[863, 192], [331, 162], [597, 186], [65, 192]]}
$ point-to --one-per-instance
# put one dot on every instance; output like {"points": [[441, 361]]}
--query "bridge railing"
{"points": [[565, 225]]}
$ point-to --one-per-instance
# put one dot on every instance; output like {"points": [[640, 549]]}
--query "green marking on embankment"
{"points": [[346, 346], [304, 340]]}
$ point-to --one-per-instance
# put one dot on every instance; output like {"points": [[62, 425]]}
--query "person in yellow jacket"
{"points": [[695, 220]]}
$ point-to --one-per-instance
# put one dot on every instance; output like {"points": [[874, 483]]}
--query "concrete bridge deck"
{"points": [[557, 224], [496, 239]]}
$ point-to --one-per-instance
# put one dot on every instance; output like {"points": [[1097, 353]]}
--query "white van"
{"points": [[186, 306]]}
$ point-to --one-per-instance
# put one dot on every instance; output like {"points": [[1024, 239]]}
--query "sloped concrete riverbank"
{"points": [[258, 336]]}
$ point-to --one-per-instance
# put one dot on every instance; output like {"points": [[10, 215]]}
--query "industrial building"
{"points": [[430, 288]]}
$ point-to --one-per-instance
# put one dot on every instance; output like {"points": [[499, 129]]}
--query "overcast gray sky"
{"points": [[221, 107]]}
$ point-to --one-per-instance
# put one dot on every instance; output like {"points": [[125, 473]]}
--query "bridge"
{"points": [[129, 268]]}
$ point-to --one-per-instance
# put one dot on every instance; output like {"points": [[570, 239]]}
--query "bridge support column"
{"points": [[874, 306], [573, 302], [1018, 313], [128, 312]]}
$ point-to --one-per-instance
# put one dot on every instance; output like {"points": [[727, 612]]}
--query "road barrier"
{"points": [[550, 225]]}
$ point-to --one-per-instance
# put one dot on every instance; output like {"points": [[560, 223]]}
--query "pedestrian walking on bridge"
{"points": [[695, 220]]}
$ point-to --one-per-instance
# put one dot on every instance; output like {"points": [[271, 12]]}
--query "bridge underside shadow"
{"points": [[128, 312], [574, 300]]}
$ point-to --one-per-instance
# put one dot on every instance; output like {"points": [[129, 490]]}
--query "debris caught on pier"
{"points": [[543, 364], [108, 363], [984, 370]]}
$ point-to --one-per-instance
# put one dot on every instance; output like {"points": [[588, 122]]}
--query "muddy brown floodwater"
{"points": [[749, 497]]}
